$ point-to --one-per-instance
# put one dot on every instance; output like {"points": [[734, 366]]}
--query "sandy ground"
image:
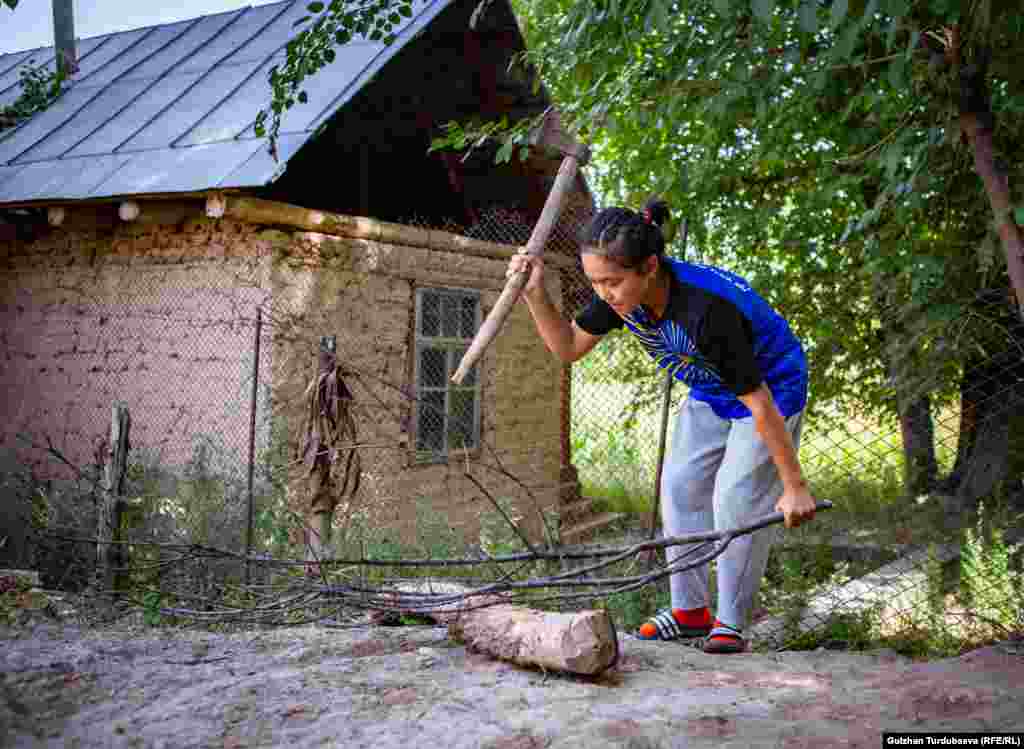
{"points": [[380, 687]]}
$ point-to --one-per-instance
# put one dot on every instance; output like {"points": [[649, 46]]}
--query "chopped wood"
{"points": [[583, 642]]}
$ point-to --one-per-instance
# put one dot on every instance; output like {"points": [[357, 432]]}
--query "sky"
{"points": [[30, 25]]}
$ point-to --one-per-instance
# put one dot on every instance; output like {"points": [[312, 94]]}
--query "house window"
{"points": [[447, 415]]}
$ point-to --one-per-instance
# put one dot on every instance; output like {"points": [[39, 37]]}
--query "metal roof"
{"points": [[171, 108]]}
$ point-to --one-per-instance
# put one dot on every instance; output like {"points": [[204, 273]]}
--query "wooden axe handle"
{"points": [[514, 286]]}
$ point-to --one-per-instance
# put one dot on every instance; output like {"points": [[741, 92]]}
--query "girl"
{"points": [[734, 453]]}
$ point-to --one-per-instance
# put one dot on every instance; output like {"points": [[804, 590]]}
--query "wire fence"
{"points": [[221, 366]]}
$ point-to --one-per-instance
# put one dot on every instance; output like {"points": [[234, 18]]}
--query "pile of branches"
{"points": [[342, 587]]}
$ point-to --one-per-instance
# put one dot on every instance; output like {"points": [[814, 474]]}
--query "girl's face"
{"points": [[622, 288]]}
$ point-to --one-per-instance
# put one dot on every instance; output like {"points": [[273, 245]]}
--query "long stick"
{"points": [[514, 286], [663, 435], [252, 440]]}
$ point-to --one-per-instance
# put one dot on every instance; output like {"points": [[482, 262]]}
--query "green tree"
{"points": [[841, 153]]}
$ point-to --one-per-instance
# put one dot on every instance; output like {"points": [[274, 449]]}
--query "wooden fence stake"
{"points": [[111, 557]]}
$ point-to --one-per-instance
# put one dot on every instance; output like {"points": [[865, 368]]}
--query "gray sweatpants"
{"points": [[720, 475]]}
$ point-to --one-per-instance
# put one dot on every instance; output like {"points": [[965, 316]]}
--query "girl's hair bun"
{"points": [[656, 211]]}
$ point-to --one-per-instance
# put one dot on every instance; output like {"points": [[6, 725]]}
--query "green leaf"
{"points": [[843, 48], [897, 8], [894, 155], [896, 74], [315, 7], [342, 36], [1018, 216], [809, 16], [504, 154], [303, 97], [406, 10], [329, 55], [764, 9], [839, 10], [723, 7]]}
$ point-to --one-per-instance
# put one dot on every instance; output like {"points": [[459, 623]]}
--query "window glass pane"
{"points": [[457, 354], [430, 314], [461, 420], [468, 317], [450, 316], [430, 434], [432, 368]]}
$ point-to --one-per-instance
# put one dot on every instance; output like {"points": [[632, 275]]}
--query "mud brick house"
{"points": [[143, 225]]}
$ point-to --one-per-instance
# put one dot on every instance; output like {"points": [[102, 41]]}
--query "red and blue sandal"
{"points": [[675, 624], [724, 639]]}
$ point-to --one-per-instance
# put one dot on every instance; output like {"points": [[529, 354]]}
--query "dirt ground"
{"points": [[380, 687]]}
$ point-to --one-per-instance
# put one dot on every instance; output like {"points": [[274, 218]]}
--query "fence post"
{"points": [[110, 555], [666, 403], [252, 438]]}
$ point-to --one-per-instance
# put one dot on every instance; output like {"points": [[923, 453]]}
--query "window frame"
{"points": [[450, 345]]}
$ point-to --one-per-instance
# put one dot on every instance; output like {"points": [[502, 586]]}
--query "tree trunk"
{"points": [[977, 125], [913, 404], [991, 396], [920, 467]]}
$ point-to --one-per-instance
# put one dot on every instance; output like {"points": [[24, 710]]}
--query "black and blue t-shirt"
{"points": [[718, 336]]}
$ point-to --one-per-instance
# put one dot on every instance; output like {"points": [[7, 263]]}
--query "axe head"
{"points": [[551, 135]]}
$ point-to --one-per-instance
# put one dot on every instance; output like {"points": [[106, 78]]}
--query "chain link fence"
{"points": [[193, 352]]}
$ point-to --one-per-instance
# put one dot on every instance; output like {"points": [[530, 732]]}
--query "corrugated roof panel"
{"points": [[10, 62], [193, 105], [41, 124], [261, 169], [9, 96], [9, 80], [69, 179], [91, 117], [170, 108], [272, 38], [114, 45], [202, 33], [130, 121], [7, 177], [236, 114], [178, 169], [146, 47], [236, 35], [10, 88], [11, 76]]}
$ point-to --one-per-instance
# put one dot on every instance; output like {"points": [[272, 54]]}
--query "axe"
{"points": [[575, 155]]}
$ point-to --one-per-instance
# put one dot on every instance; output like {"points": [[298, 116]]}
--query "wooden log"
{"points": [[55, 215], [160, 212], [583, 642], [275, 213]]}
